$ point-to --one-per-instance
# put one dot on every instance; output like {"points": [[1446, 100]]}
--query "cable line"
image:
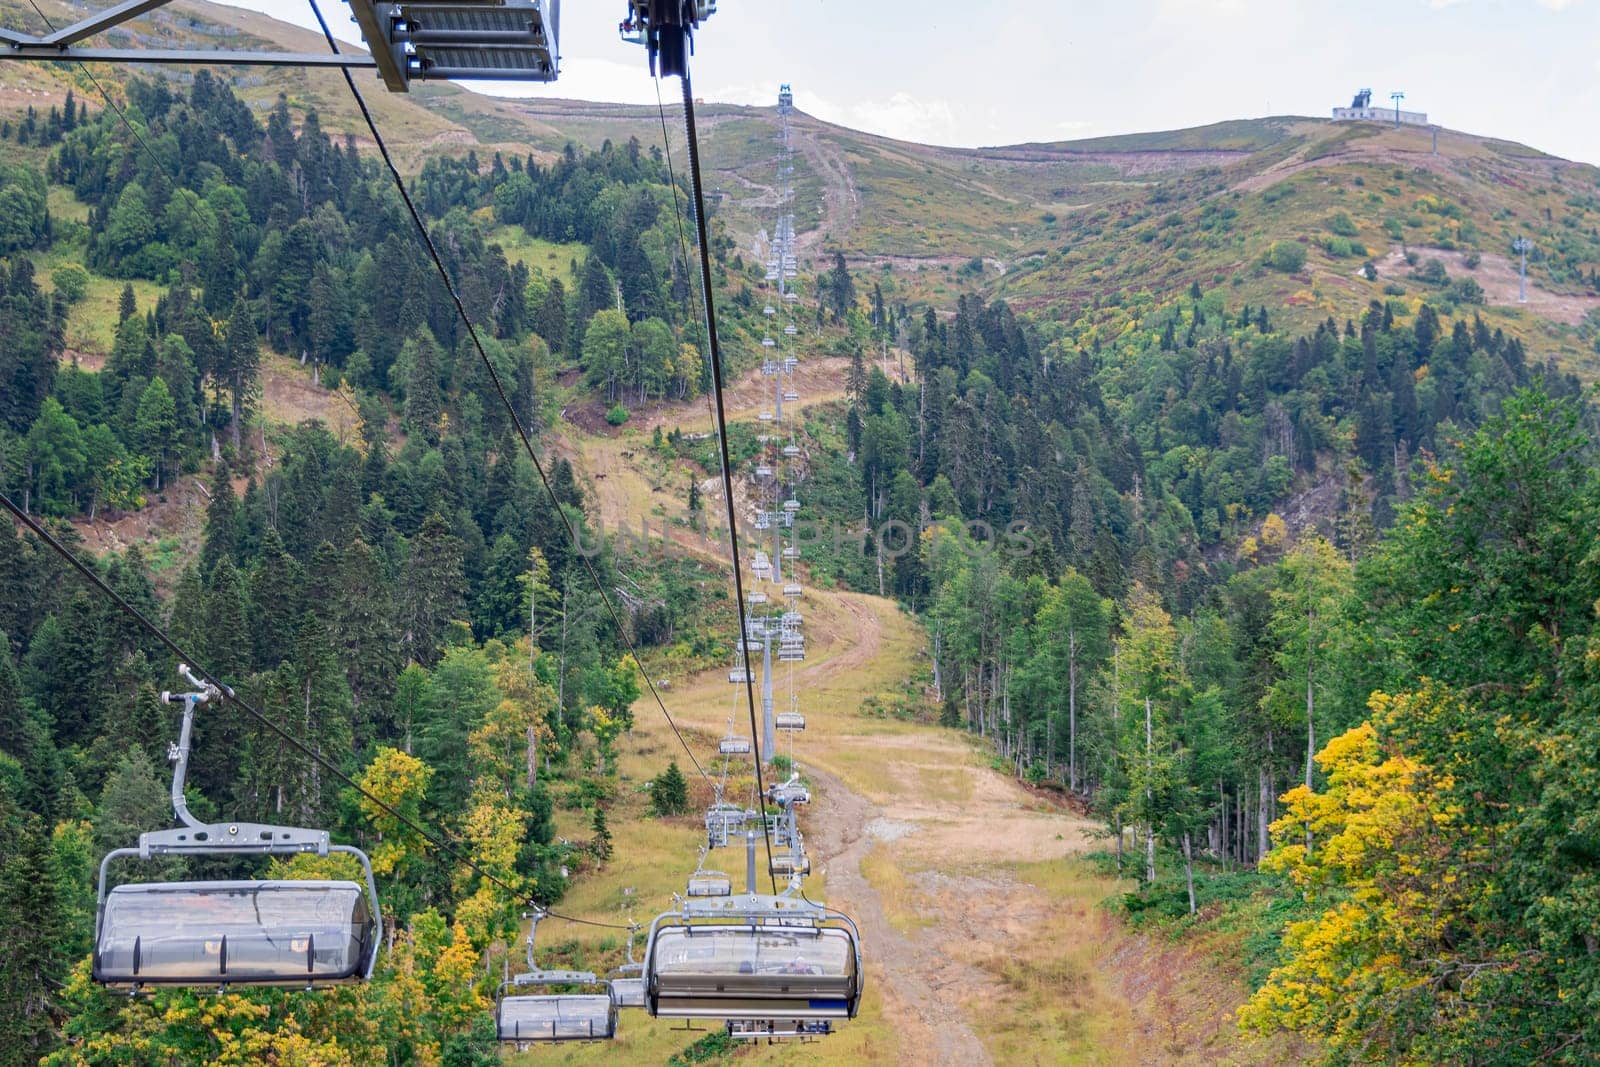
{"points": [[499, 387], [699, 206], [719, 422], [94, 578]]}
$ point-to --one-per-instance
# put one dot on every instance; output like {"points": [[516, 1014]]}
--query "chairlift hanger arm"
{"points": [[47, 53]]}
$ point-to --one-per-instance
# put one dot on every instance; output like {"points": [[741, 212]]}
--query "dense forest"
{"points": [[375, 595], [1386, 710]]}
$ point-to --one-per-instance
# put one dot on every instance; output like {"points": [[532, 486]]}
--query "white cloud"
{"points": [[1557, 5]]}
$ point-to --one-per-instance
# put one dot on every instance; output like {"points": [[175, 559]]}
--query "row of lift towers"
{"points": [[766, 965]]}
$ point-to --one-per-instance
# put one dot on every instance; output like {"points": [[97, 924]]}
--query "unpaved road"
{"points": [[915, 982]]}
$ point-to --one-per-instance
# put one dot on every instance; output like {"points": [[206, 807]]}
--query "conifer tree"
{"points": [[222, 523], [435, 593], [32, 963], [600, 844], [239, 367], [669, 793]]}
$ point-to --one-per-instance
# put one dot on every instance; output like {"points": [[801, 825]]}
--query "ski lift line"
{"points": [[499, 386], [94, 579], [697, 191]]}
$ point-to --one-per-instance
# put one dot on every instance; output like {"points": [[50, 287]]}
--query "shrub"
{"points": [[1433, 273], [1286, 256], [71, 282], [1471, 260], [617, 415], [1340, 224], [1466, 291]]}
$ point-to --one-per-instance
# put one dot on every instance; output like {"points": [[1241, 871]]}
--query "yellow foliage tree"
{"points": [[1383, 875], [400, 781], [508, 740]]}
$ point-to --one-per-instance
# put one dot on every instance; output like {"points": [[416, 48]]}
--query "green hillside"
{"points": [[1203, 581]]}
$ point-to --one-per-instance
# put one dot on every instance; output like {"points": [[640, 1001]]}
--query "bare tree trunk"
{"points": [[1188, 869], [1119, 843], [533, 757], [1072, 711], [1149, 794], [1263, 840]]}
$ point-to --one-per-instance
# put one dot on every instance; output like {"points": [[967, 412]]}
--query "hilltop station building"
{"points": [[1361, 108]]}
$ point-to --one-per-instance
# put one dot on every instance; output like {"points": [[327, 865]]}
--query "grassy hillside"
{"points": [[1054, 226]]}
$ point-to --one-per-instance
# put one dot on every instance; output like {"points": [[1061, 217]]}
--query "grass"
{"points": [[900, 899], [550, 258]]}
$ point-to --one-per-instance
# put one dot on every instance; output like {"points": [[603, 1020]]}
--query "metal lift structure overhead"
{"points": [[459, 40]]}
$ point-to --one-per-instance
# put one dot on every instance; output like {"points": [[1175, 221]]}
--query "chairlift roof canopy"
{"points": [[557, 1017], [225, 932]]}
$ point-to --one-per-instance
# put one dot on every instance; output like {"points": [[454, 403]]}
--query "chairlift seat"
{"points": [[756, 596], [752, 971], [793, 589], [792, 396], [757, 1029], [709, 884], [740, 675], [790, 329], [734, 746], [557, 1017], [787, 864], [278, 932], [628, 992], [789, 720]]}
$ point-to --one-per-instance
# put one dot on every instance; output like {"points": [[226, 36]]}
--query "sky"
{"points": [[1008, 71]]}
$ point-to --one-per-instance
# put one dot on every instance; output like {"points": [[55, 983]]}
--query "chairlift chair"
{"points": [[627, 981], [793, 590], [767, 342], [550, 1017], [756, 596], [790, 792], [763, 470], [791, 552], [769, 310], [792, 721], [740, 675], [789, 364], [791, 505], [242, 932], [753, 957], [791, 862], [791, 395], [733, 744], [764, 416], [707, 883]]}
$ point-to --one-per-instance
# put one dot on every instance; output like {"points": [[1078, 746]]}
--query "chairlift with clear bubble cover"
{"points": [[284, 932], [542, 1018], [754, 958]]}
